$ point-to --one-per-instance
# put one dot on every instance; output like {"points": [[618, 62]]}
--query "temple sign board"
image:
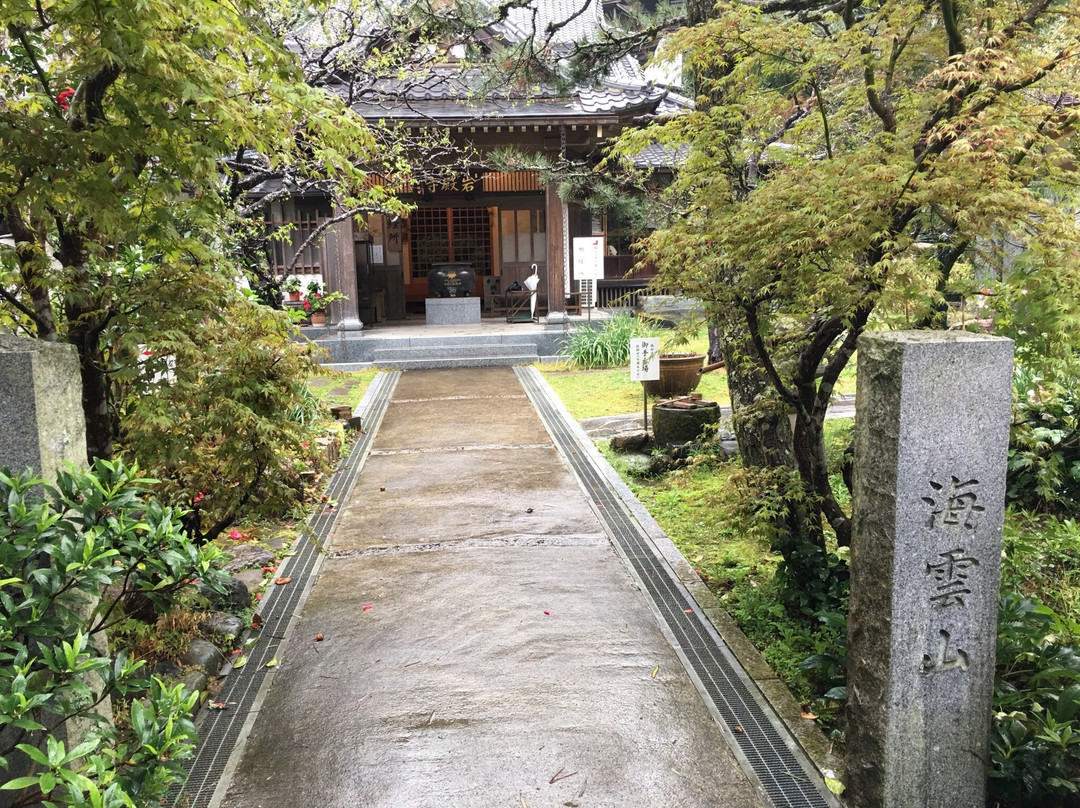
{"points": [[645, 367]]}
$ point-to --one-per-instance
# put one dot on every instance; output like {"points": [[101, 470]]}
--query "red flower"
{"points": [[63, 99], [198, 498], [307, 303], [236, 535]]}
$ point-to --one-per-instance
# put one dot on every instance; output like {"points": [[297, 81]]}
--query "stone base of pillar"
{"points": [[350, 324], [557, 318]]}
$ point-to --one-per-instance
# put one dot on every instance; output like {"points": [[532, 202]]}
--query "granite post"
{"points": [[41, 399], [931, 436], [44, 428]]}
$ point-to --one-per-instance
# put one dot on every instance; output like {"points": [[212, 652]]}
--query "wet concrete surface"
{"points": [[506, 659]]}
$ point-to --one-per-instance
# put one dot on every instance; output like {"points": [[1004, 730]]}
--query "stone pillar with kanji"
{"points": [[931, 439]]}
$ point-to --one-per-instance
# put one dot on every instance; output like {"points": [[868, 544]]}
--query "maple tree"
{"points": [[850, 162]]}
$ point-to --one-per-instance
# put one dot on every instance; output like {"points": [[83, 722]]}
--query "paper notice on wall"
{"points": [[376, 254]]}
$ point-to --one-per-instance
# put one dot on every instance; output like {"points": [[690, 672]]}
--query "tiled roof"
{"points": [[533, 20], [451, 93], [657, 156]]}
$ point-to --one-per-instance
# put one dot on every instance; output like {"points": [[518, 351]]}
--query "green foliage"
{"points": [[1035, 740], [1041, 561], [171, 107], [607, 347], [814, 581], [60, 547], [1044, 448], [841, 165], [221, 415], [317, 301]]}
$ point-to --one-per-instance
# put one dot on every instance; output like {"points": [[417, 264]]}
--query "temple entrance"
{"points": [[449, 236]]}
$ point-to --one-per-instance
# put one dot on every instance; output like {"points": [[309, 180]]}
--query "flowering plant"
{"points": [[291, 284], [316, 302]]}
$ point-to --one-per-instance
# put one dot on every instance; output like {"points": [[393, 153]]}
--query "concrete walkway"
{"points": [[482, 642]]}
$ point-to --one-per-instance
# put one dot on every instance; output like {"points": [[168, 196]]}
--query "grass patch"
{"points": [[592, 393], [341, 387]]}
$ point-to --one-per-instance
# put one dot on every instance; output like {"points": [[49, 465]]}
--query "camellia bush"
{"points": [[61, 547]]}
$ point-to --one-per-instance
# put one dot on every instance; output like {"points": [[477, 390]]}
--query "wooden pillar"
{"points": [[556, 269], [339, 272]]}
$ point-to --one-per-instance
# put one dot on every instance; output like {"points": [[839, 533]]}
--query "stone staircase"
{"points": [[421, 353]]}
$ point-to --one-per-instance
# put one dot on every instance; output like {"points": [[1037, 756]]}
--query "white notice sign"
{"points": [[645, 359], [589, 258]]}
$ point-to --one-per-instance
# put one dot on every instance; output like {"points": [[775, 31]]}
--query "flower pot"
{"points": [[318, 317], [294, 296], [679, 375]]}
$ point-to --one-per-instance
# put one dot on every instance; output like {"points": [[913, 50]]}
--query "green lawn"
{"points": [[592, 393], [338, 388]]}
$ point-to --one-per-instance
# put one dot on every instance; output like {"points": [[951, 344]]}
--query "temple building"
{"points": [[498, 223]]}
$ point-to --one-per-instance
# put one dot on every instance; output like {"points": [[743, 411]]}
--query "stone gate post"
{"points": [[931, 436], [41, 402]]}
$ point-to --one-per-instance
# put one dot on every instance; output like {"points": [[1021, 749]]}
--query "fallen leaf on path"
{"points": [[835, 786], [241, 662], [547, 611], [655, 671], [367, 608], [738, 729], [282, 581], [806, 715], [272, 663], [688, 611], [319, 638], [560, 776]]}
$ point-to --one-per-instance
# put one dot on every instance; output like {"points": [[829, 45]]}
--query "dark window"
{"points": [[446, 235]]}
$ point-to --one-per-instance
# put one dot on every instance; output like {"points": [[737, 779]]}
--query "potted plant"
{"points": [[292, 286], [314, 288], [679, 372], [316, 304]]}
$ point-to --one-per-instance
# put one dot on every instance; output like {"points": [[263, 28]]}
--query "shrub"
{"points": [[223, 418], [1044, 449], [60, 547], [1035, 737]]}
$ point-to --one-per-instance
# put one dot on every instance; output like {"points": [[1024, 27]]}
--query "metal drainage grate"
{"points": [[219, 730], [763, 749]]}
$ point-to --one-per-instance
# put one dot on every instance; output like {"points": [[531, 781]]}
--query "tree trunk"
{"points": [[762, 425], [716, 349], [100, 425], [87, 317]]}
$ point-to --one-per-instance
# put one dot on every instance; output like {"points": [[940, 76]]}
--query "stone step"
{"points": [[461, 341], [431, 363], [443, 351]]}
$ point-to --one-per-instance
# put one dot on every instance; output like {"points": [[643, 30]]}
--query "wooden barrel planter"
{"points": [[679, 375]]}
